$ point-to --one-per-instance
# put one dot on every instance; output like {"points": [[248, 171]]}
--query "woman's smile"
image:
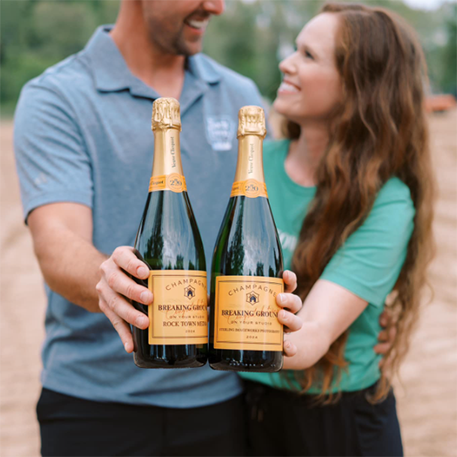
{"points": [[287, 87]]}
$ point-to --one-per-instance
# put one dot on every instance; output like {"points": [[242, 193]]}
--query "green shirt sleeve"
{"points": [[369, 262]]}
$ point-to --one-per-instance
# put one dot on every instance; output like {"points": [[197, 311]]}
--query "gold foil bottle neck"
{"points": [[166, 114], [251, 121]]}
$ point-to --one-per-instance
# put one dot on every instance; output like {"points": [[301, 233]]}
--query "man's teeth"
{"points": [[288, 87], [197, 24]]}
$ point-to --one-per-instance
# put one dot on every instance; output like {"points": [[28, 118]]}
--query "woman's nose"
{"points": [[287, 65]]}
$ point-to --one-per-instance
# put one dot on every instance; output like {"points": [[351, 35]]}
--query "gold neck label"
{"points": [[173, 182], [250, 188], [167, 171], [249, 178]]}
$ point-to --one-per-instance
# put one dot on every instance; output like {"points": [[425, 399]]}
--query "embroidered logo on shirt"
{"points": [[220, 131]]}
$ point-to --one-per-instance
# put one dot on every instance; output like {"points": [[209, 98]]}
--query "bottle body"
{"points": [[245, 334], [169, 242]]}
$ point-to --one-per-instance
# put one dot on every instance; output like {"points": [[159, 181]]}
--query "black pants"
{"points": [[71, 426], [282, 423]]}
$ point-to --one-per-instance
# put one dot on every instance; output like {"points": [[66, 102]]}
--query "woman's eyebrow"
{"points": [[305, 47]]}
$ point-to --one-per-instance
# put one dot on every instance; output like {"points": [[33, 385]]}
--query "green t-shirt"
{"points": [[368, 264]]}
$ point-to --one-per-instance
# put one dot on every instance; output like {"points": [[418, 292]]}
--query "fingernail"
{"points": [[283, 315], [141, 321], [281, 298], [126, 347], [142, 271], [146, 296]]}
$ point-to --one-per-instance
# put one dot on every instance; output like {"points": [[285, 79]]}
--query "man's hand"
{"points": [[115, 288], [386, 336], [291, 304]]}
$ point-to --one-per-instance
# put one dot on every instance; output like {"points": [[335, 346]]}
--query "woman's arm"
{"points": [[327, 312]]}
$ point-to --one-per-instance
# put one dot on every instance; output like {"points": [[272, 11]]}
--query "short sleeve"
{"points": [[370, 261], [51, 159]]}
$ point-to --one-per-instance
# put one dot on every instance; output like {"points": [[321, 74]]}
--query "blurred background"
{"points": [[251, 37]]}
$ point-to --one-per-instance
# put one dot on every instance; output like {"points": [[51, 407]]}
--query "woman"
{"points": [[356, 176]]}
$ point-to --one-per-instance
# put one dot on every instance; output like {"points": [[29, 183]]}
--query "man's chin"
{"points": [[189, 49]]}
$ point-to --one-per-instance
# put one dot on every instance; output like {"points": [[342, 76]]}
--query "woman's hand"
{"points": [[291, 304], [116, 287]]}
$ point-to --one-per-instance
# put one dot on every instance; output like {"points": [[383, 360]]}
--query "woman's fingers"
{"points": [[290, 301], [289, 348], [290, 321], [290, 281], [125, 258]]}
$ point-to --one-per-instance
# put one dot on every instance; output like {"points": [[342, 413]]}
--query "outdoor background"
{"points": [[250, 37]]}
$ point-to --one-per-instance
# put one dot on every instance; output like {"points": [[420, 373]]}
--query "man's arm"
{"points": [[62, 239]]}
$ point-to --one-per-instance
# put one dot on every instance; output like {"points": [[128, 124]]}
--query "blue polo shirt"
{"points": [[83, 135]]}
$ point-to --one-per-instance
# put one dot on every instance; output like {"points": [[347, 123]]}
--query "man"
{"points": [[84, 155]]}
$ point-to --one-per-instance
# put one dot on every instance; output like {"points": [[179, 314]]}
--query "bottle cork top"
{"points": [[166, 114], [251, 121]]}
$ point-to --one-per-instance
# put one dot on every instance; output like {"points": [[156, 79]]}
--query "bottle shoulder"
{"points": [[248, 242], [168, 235]]}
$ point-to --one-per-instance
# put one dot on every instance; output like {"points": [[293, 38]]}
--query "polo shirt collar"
{"points": [[112, 74]]}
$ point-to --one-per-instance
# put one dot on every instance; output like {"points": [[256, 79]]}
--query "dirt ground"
{"points": [[427, 397]]}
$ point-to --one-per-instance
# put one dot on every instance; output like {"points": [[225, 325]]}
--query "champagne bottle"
{"points": [[169, 241], [245, 334]]}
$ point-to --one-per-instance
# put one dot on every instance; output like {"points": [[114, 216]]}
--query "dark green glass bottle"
{"points": [[245, 334], [169, 241]]}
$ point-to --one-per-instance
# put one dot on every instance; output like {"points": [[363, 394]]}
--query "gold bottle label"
{"points": [[246, 313], [179, 312]]}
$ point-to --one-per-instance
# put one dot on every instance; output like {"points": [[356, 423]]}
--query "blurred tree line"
{"points": [[251, 37]]}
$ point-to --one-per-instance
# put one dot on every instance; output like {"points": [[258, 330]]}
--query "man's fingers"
{"points": [[290, 281], [290, 301], [387, 336], [125, 258], [385, 318], [289, 349], [392, 334], [289, 320], [382, 348], [121, 327], [122, 308], [122, 284]]}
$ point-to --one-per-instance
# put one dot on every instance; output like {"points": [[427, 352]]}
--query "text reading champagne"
{"points": [[245, 334], [168, 240]]}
